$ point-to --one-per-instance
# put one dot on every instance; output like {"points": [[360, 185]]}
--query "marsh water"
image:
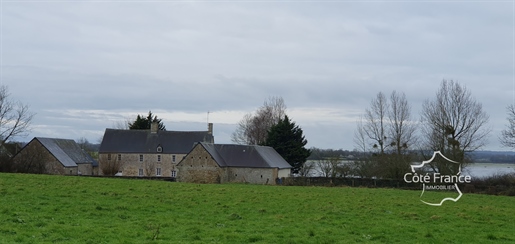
{"points": [[488, 169], [474, 169]]}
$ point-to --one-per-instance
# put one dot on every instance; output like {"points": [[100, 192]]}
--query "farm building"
{"points": [[54, 156], [148, 153], [221, 163]]}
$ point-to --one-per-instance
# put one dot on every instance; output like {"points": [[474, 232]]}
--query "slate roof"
{"points": [[247, 156], [67, 151], [143, 141]]}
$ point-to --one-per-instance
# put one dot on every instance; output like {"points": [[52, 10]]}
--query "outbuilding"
{"points": [[222, 163], [54, 156]]}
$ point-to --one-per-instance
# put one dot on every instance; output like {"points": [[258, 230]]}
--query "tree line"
{"points": [[387, 137], [390, 139]]}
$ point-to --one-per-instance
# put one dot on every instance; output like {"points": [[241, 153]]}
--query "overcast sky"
{"points": [[84, 66]]}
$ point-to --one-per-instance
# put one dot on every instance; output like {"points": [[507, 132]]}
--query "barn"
{"points": [[222, 163]]}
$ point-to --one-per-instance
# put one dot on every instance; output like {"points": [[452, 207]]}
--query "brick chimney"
{"points": [[154, 127]]}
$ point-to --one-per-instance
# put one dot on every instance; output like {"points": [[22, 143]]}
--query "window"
{"points": [[159, 149], [158, 171], [140, 172], [108, 156], [141, 157], [119, 157], [173, 158], [158, 158], [174, 173]]}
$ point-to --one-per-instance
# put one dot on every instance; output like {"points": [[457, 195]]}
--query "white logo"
{"points": [[438, 181]]}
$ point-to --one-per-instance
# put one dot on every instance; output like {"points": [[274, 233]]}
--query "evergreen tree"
{"points": [[288, 140], [142, 123]]}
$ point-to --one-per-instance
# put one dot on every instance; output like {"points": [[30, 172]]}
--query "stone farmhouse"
{"points": [[55, 156], [221, 163], [150, 153]]}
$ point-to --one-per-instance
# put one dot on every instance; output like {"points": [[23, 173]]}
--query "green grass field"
{"points": [[50, 209]]}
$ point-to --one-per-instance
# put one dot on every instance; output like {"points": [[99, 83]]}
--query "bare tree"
{"points": [[122, 125], [306, 169], [387, 124], [150, 168], [15, 117], [276, 109], [87, 147], [328, 167], [110, 166], [83, 143], [6, 153], [323, 167], [253, 128], [454, 122], [364, 168], [257, 131], [388, 128], [375, 122], [508, 135], [344, 169], [33, 159], [401, 129], [360, 137], [242, 133]]}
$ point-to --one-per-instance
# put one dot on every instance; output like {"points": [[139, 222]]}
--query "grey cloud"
{"points": [[199, 56]]}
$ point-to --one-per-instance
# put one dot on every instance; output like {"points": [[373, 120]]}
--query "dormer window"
{"points": [[159, 149]]}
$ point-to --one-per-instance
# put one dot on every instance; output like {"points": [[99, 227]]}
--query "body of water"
{"points": [[485, 169], [474, 170]]}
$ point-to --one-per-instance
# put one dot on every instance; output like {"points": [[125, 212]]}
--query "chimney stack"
{"points": [[210, 128], [154, 127]]}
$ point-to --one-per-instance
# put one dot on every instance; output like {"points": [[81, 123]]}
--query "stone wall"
{"points": [[85, 169], [95, 170], [35, 158], [54, 167], [252, 175], [283, 173], [353, 182], [130, 164], [200, 167]]}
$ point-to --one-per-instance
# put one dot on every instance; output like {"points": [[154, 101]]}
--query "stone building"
{"points": [[147, 152], [54, 156], [221, 163]]}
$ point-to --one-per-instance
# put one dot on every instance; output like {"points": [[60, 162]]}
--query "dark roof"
{"points": [[249, 156], [67, 151], [143, 141]]}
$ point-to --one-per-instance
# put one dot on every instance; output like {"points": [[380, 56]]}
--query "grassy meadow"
{"points": [[59, 209]]}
